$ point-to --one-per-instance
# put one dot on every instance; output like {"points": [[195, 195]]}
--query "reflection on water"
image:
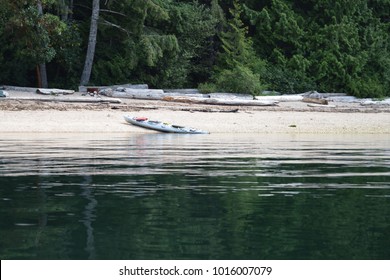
{"points": [[163, 196]]}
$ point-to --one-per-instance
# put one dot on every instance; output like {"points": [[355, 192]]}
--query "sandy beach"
{"points": [[25, 116]]}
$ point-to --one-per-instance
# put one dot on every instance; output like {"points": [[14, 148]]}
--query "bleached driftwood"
{"points": [[240, 102], [53, 91], [154, 94], [25, 89], [280, 98], [315, 100], [321, 105], [369, 102], [229, 96], [315, 94], [114, 87], [71, 100], [196, 93], [214, 101], [183, 91]]}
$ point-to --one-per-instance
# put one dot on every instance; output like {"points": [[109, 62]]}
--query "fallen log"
{"points": [[280, 98], [53, 91], [321, 105], [214, 101], [153, 94], [181, 99], [133, 86], [205, 110], [229, 96], [70, 100], [315, 100], [14, 88], [240, 102]]}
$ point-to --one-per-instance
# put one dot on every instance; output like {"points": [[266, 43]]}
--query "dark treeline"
{"points": [[287, 46]]}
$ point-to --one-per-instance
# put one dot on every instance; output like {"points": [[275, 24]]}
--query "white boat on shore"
{"points": [[161, 126]]}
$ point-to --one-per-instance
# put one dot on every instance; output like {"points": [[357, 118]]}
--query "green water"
{"points": [[162, 196]]}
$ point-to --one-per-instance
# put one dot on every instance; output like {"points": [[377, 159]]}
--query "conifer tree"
{"points": [[238, 68]]}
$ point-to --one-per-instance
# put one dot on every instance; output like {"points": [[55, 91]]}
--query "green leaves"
{"points": [[323, 45], [155, 46], [239, 79], [291, 46], [238, 68]]}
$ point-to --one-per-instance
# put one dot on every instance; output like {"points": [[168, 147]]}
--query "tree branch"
{"points": [[112, 12], [116, 26]]}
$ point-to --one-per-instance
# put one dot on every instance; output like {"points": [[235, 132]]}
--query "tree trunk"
{"points": [[43, 72], [91, 43], [70, 12], [42, 78]]}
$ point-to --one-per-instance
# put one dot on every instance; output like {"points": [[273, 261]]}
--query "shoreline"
{"points": [[260, 122], [25, 116]]}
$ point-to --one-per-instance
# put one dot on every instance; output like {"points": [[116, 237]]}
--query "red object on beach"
{"points": [[140, 119], [93, 90]]}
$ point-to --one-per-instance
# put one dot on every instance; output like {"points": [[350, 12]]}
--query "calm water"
{"points": [[162, 196]]}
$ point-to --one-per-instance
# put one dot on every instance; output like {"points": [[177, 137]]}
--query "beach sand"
{"points": [[20, 116]]}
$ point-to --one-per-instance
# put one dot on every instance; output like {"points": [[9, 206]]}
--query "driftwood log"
{"points": [[280, 98], [214, 101], [315, 100], [71, 100], [153, 94], [133, 86], [321, 105], [53, 91]]}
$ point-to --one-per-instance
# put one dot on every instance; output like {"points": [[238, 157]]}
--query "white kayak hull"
{"points": [[161, 126]]}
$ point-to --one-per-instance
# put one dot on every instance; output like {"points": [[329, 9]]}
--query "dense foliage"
{"points": [[222, 45]]}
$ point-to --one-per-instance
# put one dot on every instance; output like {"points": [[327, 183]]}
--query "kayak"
{"points": [[161, 126]]}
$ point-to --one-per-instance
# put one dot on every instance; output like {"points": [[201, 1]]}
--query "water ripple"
{"points": [[231, 164]]}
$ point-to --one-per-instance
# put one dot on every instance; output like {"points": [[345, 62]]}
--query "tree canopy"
{"points": [[287, 46]]}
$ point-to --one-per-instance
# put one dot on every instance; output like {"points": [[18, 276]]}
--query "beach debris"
{"points": [[230, 96], [314, 97], [321, 105], [369, 102], [106, 92], [218, 101], [240, 102], [281, 98], [93, 90], [3, 93], [54, 91], [183, 91], [153, 94], [315, 100], [133, 86], [68, 99], [15, 88], [313, 94]]}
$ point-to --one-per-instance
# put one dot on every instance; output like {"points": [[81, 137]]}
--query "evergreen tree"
{"points": [[238, 68], [279, 37], [29, 38], [293, 45], [345, 39], [132, 42], [194, 27], [330, 46]]}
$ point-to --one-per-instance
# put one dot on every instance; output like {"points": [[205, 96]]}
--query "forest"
{"points": [[248, 46]]}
